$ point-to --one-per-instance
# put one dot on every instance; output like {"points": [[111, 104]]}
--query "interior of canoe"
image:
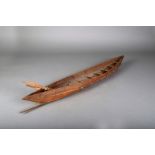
{"points": [[85, 75]]}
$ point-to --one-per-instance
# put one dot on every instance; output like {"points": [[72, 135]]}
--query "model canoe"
{"points": [[74, 83]]}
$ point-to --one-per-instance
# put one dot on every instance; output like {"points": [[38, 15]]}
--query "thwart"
{"points": [[71, 84]]}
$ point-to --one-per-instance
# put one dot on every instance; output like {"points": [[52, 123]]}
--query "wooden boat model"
{"points": [[73, 83]]}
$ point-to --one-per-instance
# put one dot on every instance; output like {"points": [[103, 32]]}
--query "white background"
{"points": [[77, 13]]}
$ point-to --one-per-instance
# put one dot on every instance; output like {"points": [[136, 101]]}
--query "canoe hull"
{"points": [[75, 82]]}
